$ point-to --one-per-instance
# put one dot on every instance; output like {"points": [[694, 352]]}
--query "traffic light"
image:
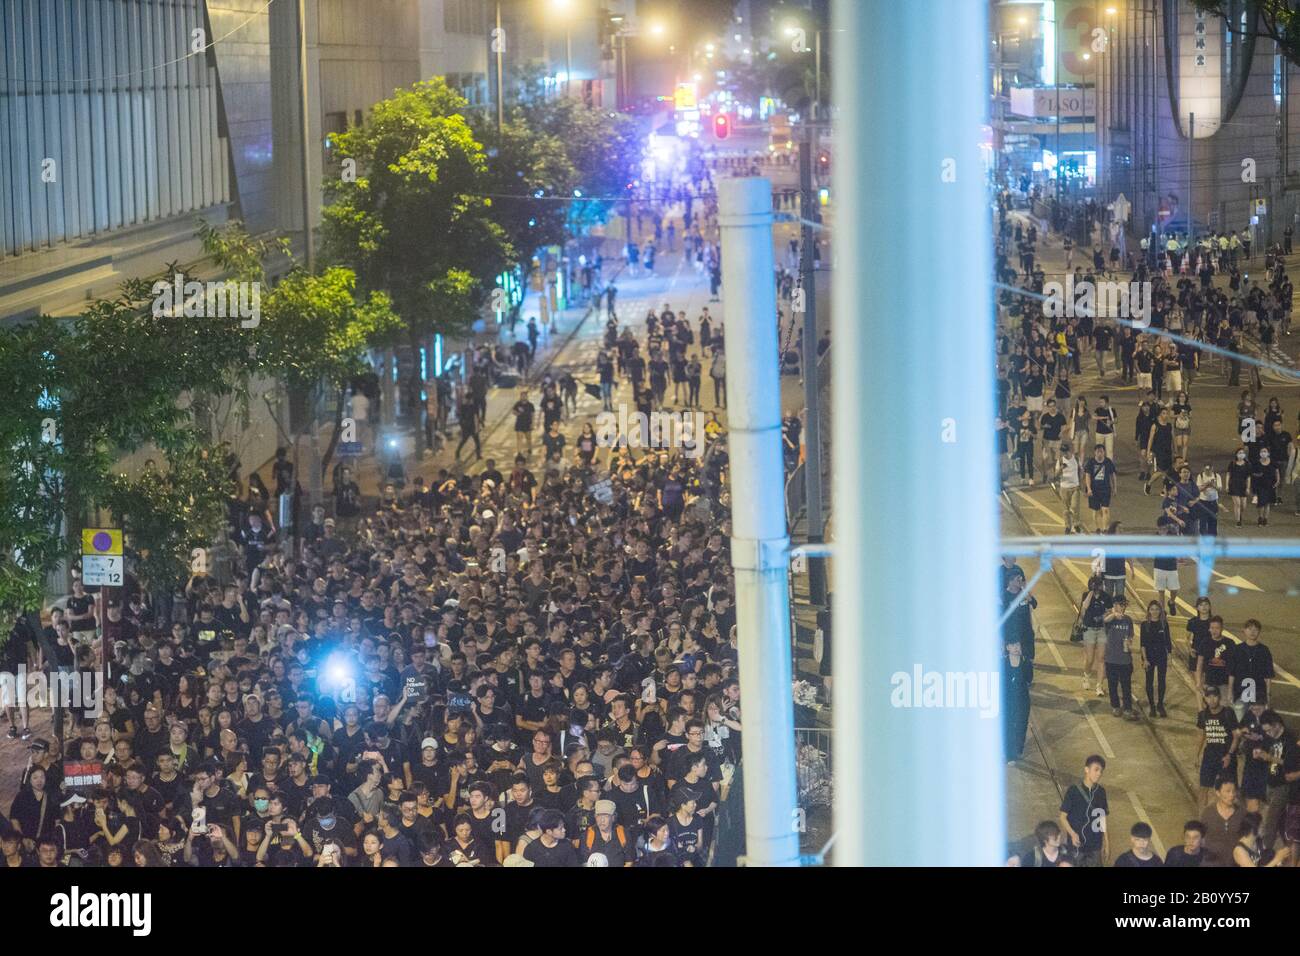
{"points": [[722, 126]]}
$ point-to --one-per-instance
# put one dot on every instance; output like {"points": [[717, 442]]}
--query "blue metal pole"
{"points": [[916, 590]]}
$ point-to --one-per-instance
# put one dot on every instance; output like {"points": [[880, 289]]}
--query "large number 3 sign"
{"points": [[1076, 38]]}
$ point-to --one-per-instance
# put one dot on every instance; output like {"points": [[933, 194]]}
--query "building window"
{"points": [[465, 16]]}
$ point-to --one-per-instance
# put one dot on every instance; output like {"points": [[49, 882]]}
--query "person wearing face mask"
{"points": [[324, 827], [1239, 474], [1206, 508], [1264, 480]]}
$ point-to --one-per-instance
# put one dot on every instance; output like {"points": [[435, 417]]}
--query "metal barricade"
{"points": [[814, 772]]}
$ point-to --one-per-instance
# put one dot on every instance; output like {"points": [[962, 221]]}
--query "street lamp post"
{"points": [[816, 520], [498, 45]]}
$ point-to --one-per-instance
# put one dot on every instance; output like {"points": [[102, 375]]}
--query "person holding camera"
{"points": [[1091, 627]]}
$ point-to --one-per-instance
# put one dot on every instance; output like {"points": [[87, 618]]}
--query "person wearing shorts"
{"points": [[1220, 740], [1167, 581], [1092, 615], [1099, 484], [1103, 417]]}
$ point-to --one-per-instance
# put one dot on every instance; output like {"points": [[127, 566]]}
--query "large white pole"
{"points": [[759, 542], [919, 769]]}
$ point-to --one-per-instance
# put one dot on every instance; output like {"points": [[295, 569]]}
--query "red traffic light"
{"points": [[722, 126]]}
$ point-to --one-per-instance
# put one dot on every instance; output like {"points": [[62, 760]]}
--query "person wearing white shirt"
{"points": [[1069, 473]]}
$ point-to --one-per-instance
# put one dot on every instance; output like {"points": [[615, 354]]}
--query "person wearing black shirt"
{"points": [[152, 739], [1193, 851], [1250, 668], [1155, 646], [1103, 418], [1220, 736], [81, 611], [1083, 814], [347, 496], [1050, 425], [1212, 656], [1017, 675], [1280, 749], [1099, 484], [551, 849], [420, 831], [524, 411], [629, 799], [1140, 853]]}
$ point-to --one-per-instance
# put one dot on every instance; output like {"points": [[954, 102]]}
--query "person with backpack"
{"points": [[607, 838]]}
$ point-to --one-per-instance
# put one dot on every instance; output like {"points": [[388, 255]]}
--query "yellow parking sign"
{"points": [[101, 541]]}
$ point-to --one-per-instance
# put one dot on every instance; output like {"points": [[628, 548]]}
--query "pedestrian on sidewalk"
{"points": [[611, 293]]}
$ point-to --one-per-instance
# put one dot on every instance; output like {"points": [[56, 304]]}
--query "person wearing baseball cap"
{"points": [[607, 838], [429, 770]]}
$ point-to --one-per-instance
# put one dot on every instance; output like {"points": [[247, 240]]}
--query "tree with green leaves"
{"points": [[413, 221], [84, 393], [1276, 20], [314, 330]]}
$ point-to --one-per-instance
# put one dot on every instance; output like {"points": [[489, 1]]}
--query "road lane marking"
{"points": [[1078, 697], [1149, 586], [1142, 815]]}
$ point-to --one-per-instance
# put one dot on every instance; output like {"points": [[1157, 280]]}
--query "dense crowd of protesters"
{"points": [[524, 667]]}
